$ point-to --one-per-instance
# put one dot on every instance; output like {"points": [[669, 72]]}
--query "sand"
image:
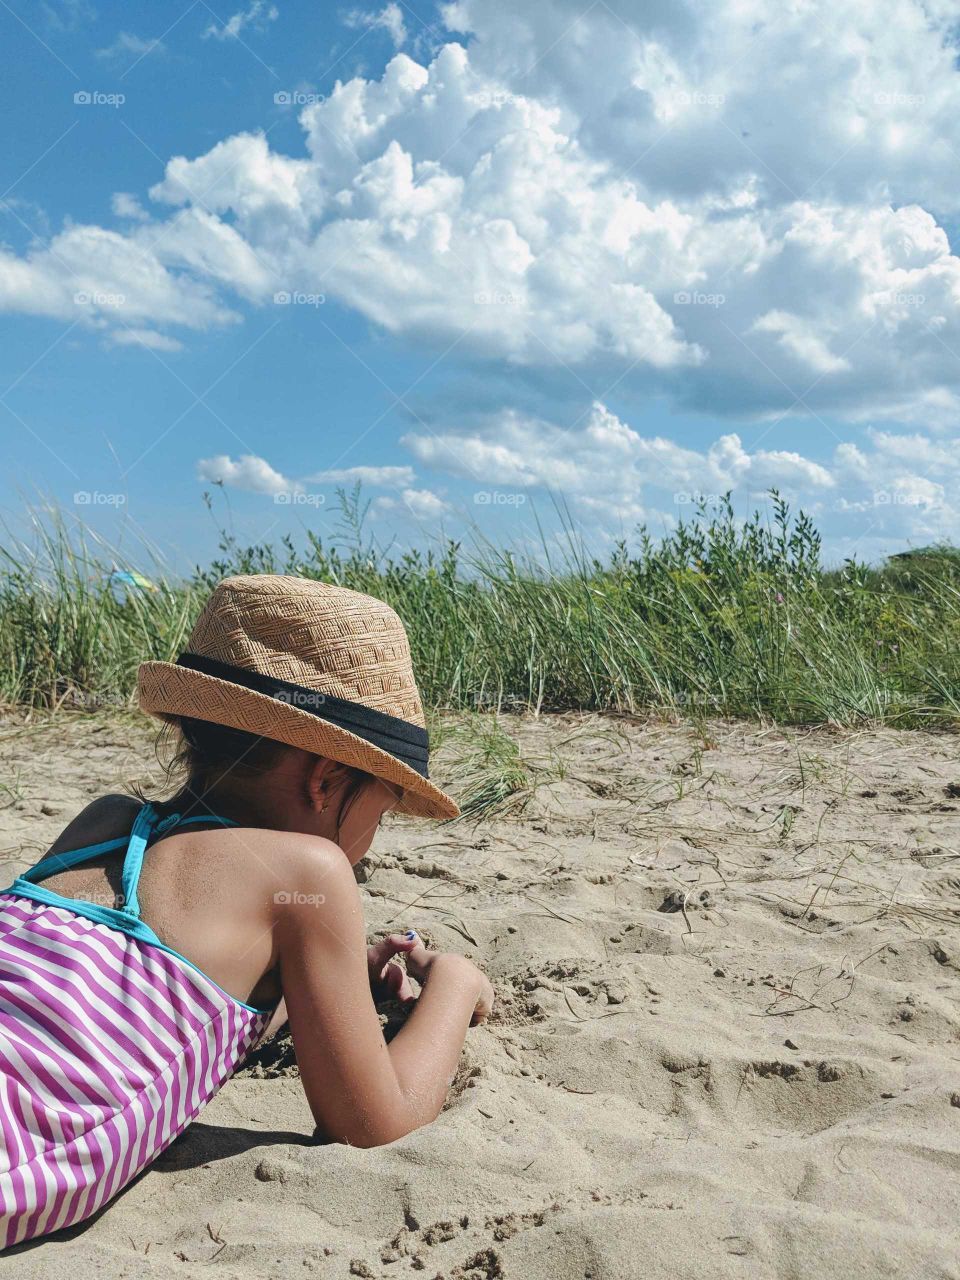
{"points": [[727, 1041]]}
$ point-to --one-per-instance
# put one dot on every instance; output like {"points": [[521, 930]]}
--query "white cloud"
{"points": [[778, 468], [145, 338], [798, 337], [125, 205], [736, 213], [916, 449], [838, 100], [270, 194], [127, 45], [257, 15], [256, 475], [379, 477], [613, 475], [885, 489], [603, 458], [422, 504], [208, 247], [474, 457], [103, 278], [248, 472], [68, 15], [389, 19]]}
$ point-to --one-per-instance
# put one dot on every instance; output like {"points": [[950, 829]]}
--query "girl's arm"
{"points": [[361, 1090]]}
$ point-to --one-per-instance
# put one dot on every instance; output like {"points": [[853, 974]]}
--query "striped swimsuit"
{"points": [[110, 1042]]}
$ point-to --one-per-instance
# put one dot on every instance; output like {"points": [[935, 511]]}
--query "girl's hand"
{"points": [[420, 961], [387, 980]]}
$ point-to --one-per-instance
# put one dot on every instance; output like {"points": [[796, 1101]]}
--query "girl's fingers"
{"points": [[405, 992], [393, 944], [398, 983]]}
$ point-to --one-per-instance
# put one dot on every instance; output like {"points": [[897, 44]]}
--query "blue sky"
{"points": [[286, 246]]}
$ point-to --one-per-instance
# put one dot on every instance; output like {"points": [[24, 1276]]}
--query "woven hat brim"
{"points": [[167, 691]]}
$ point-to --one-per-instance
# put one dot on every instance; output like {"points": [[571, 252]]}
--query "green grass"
{"points": [[487, 768], [722, 617]]}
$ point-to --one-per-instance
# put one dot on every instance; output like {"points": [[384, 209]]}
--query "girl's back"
{"points": [[202, 889]]}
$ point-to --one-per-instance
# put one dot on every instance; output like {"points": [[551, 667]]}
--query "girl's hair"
{"points": [[197, 755], [207, 752]]}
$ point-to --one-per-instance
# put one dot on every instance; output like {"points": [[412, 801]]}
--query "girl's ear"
{"points": [[318, 784], [324, 778]]}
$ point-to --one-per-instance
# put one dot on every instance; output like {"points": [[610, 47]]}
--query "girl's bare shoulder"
{"points": [[272, 877], [288, 851]]}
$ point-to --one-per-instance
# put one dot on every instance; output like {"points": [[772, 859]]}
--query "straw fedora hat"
{"points": [[309, 664]]}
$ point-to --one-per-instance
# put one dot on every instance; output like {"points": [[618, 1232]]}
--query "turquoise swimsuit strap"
{"points": [[146, 828], [62, 861]]}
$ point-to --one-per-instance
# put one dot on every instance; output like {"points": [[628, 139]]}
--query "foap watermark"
{"points": [[693, 497], [895, 298], [298, 98], [95, 700], [106, 898], [94, 98], [694, 298], [284, 298], [899, 498], [698, 98], [93, 298], [293, 897], [496, 498], [302, 699], [498, 298], [896, 98], [296, 498], [94, 498], [495, 98]]}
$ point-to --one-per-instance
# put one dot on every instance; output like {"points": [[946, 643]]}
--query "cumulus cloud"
{"points": [[738, 213], [800, 339], [422, 504], [849, 101], [606, 459], [256, 475], [248, 472], [103, 278], [614, 475], [873, 493]]}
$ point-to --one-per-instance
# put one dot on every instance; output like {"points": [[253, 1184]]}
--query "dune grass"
{"points": [[721, 617]]}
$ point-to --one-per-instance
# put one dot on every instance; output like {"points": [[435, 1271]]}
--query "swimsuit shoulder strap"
{"points": [[147, 827], [63, 861]]}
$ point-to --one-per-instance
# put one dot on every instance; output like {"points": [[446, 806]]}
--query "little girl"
{"points": [[155, 944]]}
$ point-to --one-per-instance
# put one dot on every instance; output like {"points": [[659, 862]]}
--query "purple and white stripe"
{"points": [[109, 1048]]}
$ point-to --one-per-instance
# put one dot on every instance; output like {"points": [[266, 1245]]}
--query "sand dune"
{"points": [[727, 1042]]}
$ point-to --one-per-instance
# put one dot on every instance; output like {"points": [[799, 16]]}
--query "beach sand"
{"points": [[727, 1042]]}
